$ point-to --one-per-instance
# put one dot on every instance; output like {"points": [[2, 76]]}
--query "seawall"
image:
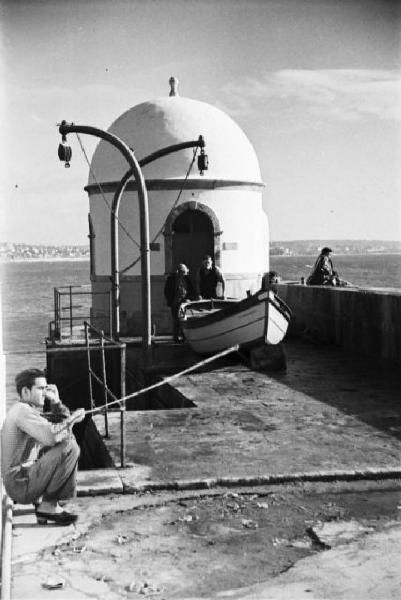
{"points": [[365, 322]]}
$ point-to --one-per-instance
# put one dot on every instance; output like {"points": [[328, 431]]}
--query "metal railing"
{"points": [[95, 340], [73, 305]]}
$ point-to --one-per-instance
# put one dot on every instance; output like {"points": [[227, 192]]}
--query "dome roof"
{"points": [[151, 126]]}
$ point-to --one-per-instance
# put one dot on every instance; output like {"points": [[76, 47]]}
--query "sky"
{"points": [[314, 84]]}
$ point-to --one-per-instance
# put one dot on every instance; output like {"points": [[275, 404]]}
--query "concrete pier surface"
{"points": [[238, 484], [327, 413]]}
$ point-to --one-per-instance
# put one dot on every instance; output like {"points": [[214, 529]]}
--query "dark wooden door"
{"points": [[192, 239]]}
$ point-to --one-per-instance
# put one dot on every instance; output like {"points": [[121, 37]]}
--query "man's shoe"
{"points": [[61, 518]]}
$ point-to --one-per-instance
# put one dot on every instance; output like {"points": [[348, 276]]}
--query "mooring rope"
{"points": [[166, 380]]}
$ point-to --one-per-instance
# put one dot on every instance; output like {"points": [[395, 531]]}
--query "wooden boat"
{"points": [[214, 325]]}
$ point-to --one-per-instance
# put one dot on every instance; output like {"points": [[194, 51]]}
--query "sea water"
{"points": [[28, 307], [28, 288], [28, 296], [364, 270]]}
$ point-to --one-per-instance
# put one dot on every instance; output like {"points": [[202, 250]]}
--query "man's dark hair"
{"points": [[27, 379]]}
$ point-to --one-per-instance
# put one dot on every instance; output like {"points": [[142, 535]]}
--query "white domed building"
{"points": [[218, 212]]}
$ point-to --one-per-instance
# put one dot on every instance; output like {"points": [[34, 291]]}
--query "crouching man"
{"points": [[39, 455]]}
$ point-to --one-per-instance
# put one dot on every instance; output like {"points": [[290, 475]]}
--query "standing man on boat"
{"points": [[323, 272], [209, 280], [178, 289], [39, 456]]}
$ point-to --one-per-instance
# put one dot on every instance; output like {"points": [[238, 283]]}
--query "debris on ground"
{"points": [[231, 495], [271, 527], [249, 524], [53, 583], [188, 518], [145, 588], [279, 541], [304, 543], [122, 539], [335, 533]]}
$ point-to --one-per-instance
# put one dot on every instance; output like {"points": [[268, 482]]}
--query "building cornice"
{"points": [[176, 184]]}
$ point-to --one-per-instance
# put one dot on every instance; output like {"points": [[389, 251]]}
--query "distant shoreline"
{"points": [[272, 256], [53, 259]]}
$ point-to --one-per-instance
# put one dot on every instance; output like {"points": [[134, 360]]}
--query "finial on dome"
{"points": [[173, 81]]}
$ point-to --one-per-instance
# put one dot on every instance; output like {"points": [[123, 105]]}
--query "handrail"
{"points": [[101, 333], [66, 315], [102, 381]]}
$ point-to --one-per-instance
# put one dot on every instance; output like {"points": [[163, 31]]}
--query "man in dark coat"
{"points": [[178, 289], [209, 280], [323, 272]]}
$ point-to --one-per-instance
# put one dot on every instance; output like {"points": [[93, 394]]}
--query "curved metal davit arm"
{"points": [[135, 170], [115, 267]]}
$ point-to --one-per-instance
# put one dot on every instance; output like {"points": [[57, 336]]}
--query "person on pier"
{"points": [[178, 289], [209, 280], [270, 281], [323, 272], [39, 455]]}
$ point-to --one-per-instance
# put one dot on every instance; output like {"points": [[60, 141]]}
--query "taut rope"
{"points": [[166, 380]]}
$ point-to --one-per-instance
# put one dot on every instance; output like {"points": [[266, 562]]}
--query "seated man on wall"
{"points": [[323, 272], [39, 455]]}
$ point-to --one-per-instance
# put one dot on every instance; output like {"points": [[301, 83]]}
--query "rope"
{"points": [[172, 208], [166, 380], [119, 222], [102, 193]]}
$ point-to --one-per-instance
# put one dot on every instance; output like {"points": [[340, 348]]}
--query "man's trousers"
{"points": [[51, 477]]}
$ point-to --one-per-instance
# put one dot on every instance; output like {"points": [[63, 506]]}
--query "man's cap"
{"points": [[182, 268], [326, 249]]}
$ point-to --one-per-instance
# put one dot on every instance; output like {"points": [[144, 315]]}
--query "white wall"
{"points": [[239, 212]]}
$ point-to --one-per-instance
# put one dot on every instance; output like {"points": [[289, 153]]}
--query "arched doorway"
{"points": [[193, 237]]}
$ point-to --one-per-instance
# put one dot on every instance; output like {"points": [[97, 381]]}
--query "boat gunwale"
{"points": [[234, 307]]}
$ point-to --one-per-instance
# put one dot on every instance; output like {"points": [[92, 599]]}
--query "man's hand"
{"points": [[77, 416], [51, 393]]}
